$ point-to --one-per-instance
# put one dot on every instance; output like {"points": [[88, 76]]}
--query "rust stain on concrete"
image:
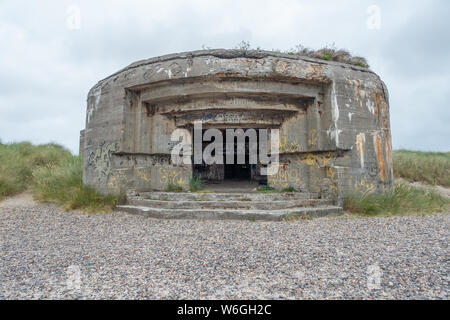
{"points": [[360, 144], [239, 89], [378, 143]]}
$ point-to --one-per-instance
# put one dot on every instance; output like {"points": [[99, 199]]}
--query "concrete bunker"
{"points": [[333, 120]]}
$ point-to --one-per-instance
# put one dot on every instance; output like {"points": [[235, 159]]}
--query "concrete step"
{"points": [[233, 204], [232, 214], [263, 197]]}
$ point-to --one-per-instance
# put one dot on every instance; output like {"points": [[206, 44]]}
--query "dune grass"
{"points": [[432, 168], [55, 176], [52, 173], [403, 199], [428, 167], [63, 185], [19, 160]]}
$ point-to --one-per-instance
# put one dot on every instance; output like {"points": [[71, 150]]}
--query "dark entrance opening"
{"points": [[218, 173], [238, 171]]}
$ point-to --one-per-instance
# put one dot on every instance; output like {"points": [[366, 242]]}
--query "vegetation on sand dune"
{"points": [[432, 168], [53, 174], [402, 199], [428, 167]]}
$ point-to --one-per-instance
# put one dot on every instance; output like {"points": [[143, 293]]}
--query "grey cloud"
{"points": [[46, 70]]}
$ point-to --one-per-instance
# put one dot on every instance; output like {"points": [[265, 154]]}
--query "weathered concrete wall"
{"points": [[81, 147], [333, 119]]}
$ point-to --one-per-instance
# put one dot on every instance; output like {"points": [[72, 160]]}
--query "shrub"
{"points": [[329, 53]]}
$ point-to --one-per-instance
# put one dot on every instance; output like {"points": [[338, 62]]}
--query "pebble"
{"points": [[47, 253]]}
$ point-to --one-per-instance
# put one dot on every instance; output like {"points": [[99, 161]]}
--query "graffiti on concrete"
{"points": [[285, 177], [288, 146], [173, 176], [305, 100], [99, 159]]}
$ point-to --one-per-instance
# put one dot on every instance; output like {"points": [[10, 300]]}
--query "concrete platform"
{"points": [[232, 214], [233, 186], [180, 196], [238, 206]]}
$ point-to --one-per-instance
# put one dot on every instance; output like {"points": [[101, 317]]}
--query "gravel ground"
{"points": [[50, 254]]}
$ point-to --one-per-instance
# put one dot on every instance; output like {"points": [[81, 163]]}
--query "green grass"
{"points": [[429, 167], [52, 173], [19, 160], [196, 184], [267, 189], [403, 199], [289, 190], [55, 176], [174, 188]]}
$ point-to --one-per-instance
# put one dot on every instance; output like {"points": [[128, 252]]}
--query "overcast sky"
{"points": [[50, 58]]}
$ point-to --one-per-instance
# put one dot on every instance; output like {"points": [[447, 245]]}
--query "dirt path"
{"points": [[23, 200], [445, 192]]}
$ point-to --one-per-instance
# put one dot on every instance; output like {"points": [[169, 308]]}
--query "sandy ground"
{"points": [[23, 200], [445, 192], [442, 190]]}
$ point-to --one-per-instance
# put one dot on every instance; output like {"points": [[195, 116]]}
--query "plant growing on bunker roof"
{"points": [[328, 53]]}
